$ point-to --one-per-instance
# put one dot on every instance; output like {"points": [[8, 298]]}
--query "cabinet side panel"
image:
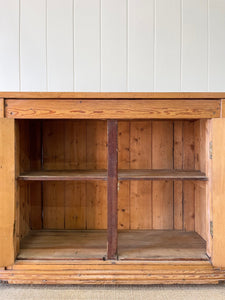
{"points": [[218, 192], [7, 191], [201, 160]]}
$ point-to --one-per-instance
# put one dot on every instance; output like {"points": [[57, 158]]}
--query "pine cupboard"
{"points": [[112, 188]]}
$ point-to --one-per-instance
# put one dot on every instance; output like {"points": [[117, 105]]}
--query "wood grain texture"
{"points": [[106, 272], [188, 187], [2, 108], [113, 95], [111, 109], [7, 192], [178, 164], [96, 191], [140, 192], [67, 175], [112, 188], [53, 158], [162, 158], [124, 163], [161, 245], [218, 190]]}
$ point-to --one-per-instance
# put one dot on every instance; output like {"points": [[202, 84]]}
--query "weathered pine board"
{"points": [[162, 158], [7, 192], [111, 109], [218, 190], [113, 95]]}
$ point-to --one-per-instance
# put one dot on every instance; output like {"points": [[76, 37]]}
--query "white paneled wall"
{"points": [[112, 45]]}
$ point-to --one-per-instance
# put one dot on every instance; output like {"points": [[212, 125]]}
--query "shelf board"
{"points": [[71, 175], [161, 175], [61, 175]]}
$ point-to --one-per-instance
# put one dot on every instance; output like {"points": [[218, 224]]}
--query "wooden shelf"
{"points": [[161, 175], [122, 175], [68, 175]]}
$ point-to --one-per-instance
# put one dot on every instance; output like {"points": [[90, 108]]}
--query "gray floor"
{"points": [[204, 292]]}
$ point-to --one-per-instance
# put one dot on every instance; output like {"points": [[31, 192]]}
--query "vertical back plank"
{"points": [[87, 45], [9, 50], [218, 190], [112, 192], [113, 49], [167, 47], [124, 163], [96, 159], [178, 185], [33, 51], [140, 191], [75, 158], [53, 159], [141, 33], [216, 46], [7, 191], [60, 45], [194, 46], [188, 186], [162, 158]]}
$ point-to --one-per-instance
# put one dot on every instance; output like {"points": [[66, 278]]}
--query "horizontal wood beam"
{"points": [[113, 95], [112, 109]]}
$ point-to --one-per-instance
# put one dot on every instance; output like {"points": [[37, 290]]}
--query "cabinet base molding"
{"points": [[110, 272]]}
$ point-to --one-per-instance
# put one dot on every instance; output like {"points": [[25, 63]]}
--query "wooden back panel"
{"points": [[143, 144]]}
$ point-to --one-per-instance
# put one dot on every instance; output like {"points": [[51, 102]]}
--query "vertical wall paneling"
{"points": [[114, 45], [167, 48], [60, 45], [140, 45], [9, 45], [87, 45], [33, 45], [194, 46], [216, 45]]}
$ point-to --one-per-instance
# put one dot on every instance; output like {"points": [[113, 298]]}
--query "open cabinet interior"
{"points": [[163, 182]]}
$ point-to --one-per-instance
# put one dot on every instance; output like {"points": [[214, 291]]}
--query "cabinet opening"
{"points": [[163, 202], [163, 189], [64, 217]]}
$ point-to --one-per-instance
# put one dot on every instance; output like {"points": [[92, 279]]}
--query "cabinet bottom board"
{"points": [[132, 245]]}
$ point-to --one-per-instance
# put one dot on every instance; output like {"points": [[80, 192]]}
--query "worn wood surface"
{"points": [[162, 191], [113, 95], [112, 185], [161, 245], [64, 175], [132, 244], [2, 108], [64, 244], [111, 109], [218, 190], [7, 192], [107, 272]]}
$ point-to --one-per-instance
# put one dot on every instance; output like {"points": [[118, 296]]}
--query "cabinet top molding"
{"points": [[111, 95]]}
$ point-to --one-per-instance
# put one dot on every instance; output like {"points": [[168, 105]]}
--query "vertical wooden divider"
{"points": [[112, 193]]}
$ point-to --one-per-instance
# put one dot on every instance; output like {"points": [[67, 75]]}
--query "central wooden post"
{"points": [[112, 182]]}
